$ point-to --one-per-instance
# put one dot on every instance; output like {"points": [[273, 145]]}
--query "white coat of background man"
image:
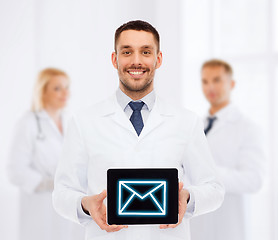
{"points": [[236, 146], [106, 136]]}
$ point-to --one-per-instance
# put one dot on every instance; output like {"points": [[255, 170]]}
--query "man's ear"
{"points": [[159, 60], [233, 84], [114, 60]]}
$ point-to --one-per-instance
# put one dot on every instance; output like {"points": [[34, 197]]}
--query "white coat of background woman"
{"points": [[34, 154]]}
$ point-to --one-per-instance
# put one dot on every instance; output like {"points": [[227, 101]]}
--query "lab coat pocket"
{"points": [[168, 153]]}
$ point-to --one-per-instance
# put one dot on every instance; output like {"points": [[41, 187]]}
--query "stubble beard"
{"points": [[137, 89]]}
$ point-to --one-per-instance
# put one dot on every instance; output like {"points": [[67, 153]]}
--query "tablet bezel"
{"points": [[170, 175]]}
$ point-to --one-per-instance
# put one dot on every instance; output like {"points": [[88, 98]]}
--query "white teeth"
{"points": [[135, 73]]}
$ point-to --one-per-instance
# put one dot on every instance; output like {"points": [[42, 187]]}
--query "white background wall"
{"points": [[77, 36]]}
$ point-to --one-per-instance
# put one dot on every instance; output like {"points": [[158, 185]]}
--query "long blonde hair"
{"points": [[40, 86]]}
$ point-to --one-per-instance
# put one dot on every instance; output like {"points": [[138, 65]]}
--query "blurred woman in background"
{"points": [[35, 151]]}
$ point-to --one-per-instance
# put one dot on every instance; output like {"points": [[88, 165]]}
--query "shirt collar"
{"points": [[123, 99], [42, 114], [226, 113]]}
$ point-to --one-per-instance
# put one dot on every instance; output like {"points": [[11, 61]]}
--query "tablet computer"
{"points": [[142, 196]]}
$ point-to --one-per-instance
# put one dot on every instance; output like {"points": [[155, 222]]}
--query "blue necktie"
{"points": [[210, 124], [136, 117]]}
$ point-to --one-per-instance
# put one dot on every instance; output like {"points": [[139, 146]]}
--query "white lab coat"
{"points": [[33, 162], [236, 145], [103, 137]]}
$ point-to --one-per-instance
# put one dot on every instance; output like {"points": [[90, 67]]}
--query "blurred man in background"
{"points": [[236, 146]]}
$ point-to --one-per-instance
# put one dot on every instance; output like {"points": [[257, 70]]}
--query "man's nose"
{"points": [[136, 60], [210, 86]]}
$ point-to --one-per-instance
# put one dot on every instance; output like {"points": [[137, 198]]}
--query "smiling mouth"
{"points": [[136, 73]]}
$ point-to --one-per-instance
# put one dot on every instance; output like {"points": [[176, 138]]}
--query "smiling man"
{"points": [[134, 129]]}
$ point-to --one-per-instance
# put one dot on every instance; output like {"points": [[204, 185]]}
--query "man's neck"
{"points": [[215, 108], [136, 95]]}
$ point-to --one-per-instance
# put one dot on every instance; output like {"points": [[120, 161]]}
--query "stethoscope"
{"points": [[40, 134]]}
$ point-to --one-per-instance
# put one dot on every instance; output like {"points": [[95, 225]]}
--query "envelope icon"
{"points": [[142, 198]]}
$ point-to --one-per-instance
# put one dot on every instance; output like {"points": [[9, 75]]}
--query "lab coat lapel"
{"points": [[120, 118], [153, 122], [44, 116], [113, 110], [218, 125], [228, 115], [156, 118]]}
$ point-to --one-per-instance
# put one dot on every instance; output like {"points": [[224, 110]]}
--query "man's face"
{"points": [[217, 85], [136, 59]]}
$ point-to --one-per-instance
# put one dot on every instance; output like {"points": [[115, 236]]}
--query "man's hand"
{"points": [[95, 206], [183, 197]]}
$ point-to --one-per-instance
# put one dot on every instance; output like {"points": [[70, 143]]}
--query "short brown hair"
{"points": [[218, 63], [137, 25]]}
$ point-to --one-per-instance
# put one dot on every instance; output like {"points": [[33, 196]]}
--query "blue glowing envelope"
{"points": [[142, 198]]}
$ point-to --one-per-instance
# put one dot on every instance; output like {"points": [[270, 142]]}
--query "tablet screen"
{"points": [[142, 196]]}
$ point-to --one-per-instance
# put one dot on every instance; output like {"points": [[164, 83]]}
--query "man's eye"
{"points": [[146, 52], [126, 52]]}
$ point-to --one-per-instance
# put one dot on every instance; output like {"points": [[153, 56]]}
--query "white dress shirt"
{"points": [[149, 101]]}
